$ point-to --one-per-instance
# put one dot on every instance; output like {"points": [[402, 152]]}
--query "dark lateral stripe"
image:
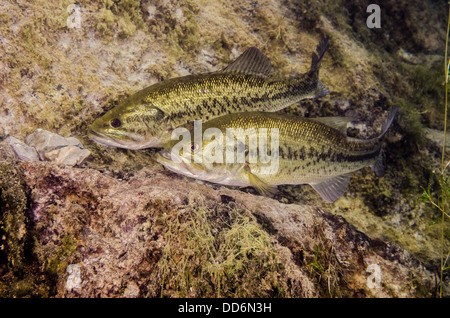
{"points": [[316, 156]]}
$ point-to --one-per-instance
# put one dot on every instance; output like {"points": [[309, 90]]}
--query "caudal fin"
{"points": [[316, 59], [388, 122], [321, 90], [378, 167]]}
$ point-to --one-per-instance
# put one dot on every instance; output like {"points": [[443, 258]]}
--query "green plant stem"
{"points": [[443, 153], [446, 95]]}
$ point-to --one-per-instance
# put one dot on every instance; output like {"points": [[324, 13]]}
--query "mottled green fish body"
{"points": [[310, 151], [147, 118]]}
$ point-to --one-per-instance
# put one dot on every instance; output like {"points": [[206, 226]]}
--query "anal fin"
{"points": [[330, 190]]}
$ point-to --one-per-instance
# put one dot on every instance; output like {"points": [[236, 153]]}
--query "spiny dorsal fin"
{"points": [[252, 62], [338, 123], [330, 190], [317, 57]]}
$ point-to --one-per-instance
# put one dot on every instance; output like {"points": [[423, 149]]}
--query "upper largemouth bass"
{"points": [[313, 151], [147, 118]]}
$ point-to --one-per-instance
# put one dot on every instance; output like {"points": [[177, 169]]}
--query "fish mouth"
{"points": [[178, 166], [106, 140], [94, 135], [165, 158], [195, 170]]}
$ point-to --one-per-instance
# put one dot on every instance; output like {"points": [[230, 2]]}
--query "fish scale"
{"points": [[308, 139], [148, 117], [313, 151]]}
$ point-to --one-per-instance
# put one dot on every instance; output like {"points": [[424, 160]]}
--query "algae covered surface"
{"points": [[62, 66]]}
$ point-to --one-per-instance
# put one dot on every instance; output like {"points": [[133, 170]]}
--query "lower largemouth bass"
{"points": [[281, 149], [147, 118]]}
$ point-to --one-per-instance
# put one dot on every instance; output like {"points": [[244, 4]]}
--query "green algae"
{"points": [[325, 270], [19, 275], [56, 262], [13, 205], [214, 254]]}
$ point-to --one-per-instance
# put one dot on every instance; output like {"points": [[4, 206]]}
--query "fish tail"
{"points": [[317, 57], [378, 167], [316, 60], [388, 122], [321, 90]]}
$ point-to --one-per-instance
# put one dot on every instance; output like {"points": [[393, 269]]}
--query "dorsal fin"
{"points": [[338, 123], [252, 62]]}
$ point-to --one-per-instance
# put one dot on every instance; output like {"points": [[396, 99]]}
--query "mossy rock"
{"points": [[13, 206]]}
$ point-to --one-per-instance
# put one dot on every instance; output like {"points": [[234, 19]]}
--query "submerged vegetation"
{"points": [[441, 200], [217, 254]]}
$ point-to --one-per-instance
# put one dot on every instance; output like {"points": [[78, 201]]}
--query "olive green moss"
{"points": [[19, 275], [13, 220], [325, 271], [56, 263], [119, 17], [212, 253]]}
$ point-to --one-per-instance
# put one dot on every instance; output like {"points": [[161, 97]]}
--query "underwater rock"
{"points": [[132, 290], [44, 141], [23, 151], [123, 236], [53, 147], [437, 137], [408, 57], [69, 155]]}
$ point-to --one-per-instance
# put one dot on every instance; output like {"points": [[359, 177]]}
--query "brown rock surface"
{"points": [[158, 234]]}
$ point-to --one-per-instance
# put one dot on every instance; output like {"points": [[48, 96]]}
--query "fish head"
{"points": [[180, 157], [129, 125]]}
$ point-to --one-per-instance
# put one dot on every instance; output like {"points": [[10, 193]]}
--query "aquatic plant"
{"points": [[218, 256], [441, 202]]}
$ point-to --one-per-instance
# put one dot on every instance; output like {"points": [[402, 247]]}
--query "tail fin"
{"points": [[388, 122], [378, 166], [317, 56], [321, 90]]}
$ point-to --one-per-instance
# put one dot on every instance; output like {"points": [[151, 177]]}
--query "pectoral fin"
{"points": [[330, 190], [260, 185]]}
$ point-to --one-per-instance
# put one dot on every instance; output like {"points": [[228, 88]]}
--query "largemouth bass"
{"points": [[147, 118], [313, 151]]}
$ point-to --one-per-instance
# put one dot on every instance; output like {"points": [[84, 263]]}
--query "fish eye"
{"points": [[194, 147], [115, 123]]}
